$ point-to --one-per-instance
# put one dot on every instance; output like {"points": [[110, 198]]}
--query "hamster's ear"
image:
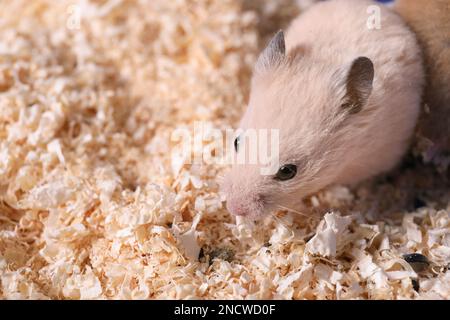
{"points": [[358, 84], [273, 54]]}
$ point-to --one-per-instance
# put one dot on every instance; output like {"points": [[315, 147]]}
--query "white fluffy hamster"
{"points": [[345, 98]]}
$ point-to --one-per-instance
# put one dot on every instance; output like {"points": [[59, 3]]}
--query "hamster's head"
{"points": [[295, 126]]}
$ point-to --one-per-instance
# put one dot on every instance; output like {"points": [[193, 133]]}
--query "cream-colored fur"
{"points": [[302, 96]]}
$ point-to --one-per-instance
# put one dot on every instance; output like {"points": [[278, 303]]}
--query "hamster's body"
{"points": [[344, 97], [394, 102], [430, 21]]}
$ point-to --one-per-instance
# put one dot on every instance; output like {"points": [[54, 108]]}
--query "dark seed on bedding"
{"points": [[415, 284], [207, 255], [201, 254], [419, 203], [223, 254], [417, 261]]}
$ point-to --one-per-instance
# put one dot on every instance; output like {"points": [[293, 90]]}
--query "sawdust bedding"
{"points": [[93, 207]]}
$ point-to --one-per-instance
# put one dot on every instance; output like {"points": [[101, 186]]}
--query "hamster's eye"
{"points": [[236, 144], [286, 172]]}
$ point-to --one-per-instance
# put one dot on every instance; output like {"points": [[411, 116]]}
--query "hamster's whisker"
{"points": [[279, 221], [310, 217], [292, 210]]}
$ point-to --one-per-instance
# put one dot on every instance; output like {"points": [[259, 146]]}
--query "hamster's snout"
{"points": [[245, 207], [236, 208], [242, 204]]}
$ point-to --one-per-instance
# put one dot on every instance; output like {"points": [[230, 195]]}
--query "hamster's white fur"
{"points": [[341, 118]]}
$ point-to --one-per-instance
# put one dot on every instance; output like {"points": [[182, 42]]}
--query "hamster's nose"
{"points": [[236, 209], [245, 205]]}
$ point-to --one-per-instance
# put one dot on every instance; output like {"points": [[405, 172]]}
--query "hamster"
{"points": [[344, 97], [430, 21]]}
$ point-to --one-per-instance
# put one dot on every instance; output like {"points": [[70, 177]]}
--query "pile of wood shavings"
{"points": [[93, 207]]}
